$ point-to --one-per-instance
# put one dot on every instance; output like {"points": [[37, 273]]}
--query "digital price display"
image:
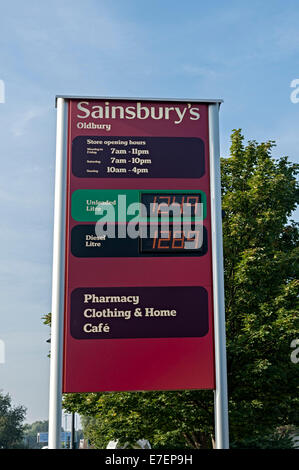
{"points": [[171, 205], [173, 240]]}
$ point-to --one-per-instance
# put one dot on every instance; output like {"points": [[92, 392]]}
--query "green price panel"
{"points": [[90, 205]]}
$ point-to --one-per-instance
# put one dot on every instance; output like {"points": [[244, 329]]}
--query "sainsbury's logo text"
{"points": [[142, 111]]}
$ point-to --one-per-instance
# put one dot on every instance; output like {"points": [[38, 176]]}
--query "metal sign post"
{"points": [[220, 393], [58, 281]]}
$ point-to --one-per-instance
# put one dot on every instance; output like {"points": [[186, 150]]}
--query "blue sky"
{"points": [[243, 52]]}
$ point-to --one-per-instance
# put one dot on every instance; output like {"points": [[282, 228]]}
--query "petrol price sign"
{"points": [[138, 295], [138, 302]]}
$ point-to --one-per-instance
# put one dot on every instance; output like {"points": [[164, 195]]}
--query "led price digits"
{"points": [[161, 204], [173, 241], [171, 204]]}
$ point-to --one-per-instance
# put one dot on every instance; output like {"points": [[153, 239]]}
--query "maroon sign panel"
{"points": [[138, 303]]}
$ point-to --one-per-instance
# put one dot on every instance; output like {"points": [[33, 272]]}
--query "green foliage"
{"points": [[167, 419], [261, 288], [47, 319], [11, 423], [279, 439], [261, 293]]}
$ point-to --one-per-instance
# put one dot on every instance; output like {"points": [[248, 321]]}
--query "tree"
{"points": [[11, 423], [259, 194], [261, 286]]}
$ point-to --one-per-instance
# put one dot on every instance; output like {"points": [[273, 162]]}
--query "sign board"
{"points": [[42, 437], [137, 285], [138, 291]]}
